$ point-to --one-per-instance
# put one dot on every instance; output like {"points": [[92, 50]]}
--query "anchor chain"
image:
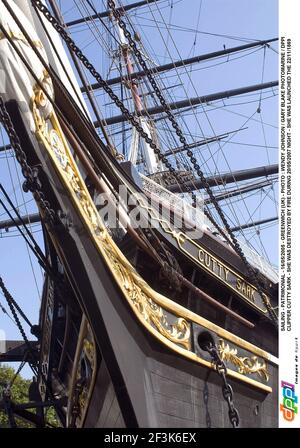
{"points": [[12, 303], [232, 240], [221, 370], [32, 182], [133, 119]]}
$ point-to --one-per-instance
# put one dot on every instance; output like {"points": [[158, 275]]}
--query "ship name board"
{"points": [[222, 272], [226, 275]]}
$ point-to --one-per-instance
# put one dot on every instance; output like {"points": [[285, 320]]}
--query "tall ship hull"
{"points": [[139, 326]]}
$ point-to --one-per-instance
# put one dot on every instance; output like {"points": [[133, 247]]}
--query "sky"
{"points": [[235, 22]]}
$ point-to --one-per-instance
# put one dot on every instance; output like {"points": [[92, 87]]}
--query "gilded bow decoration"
{"points": [[245, 365], [141, 297]]}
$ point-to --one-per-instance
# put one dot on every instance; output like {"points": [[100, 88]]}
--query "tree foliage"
{"points": [[19, 394]]}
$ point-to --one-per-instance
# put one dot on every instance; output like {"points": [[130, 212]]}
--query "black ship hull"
{"points": [[135, 377]]}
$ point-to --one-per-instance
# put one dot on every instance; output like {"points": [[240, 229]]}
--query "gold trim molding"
{"points": [[81, 387], [212, 264], [142, 298], [245, 365], [149, 307]]}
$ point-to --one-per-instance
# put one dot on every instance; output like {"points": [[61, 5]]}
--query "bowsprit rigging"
{"points": [[139, 247]]}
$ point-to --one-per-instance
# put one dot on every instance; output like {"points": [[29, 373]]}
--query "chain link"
{"points": [[232, 240], [32, 182], [226, 388], [33, 185], [10, 301], [133, 119]]}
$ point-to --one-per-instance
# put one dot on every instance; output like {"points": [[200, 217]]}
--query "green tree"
{"points": [[19, 394]]}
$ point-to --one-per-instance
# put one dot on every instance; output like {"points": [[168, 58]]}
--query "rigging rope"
{"points": [[228, 203], [133, 120], [34, 248], [12, 301], [4, 311], [234, 242], [13, 306], [136, 123]]}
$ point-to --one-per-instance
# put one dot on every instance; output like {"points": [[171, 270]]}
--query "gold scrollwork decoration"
{"points": [[83, 376], [166, 320], [245, 365], [178, 332], [142, 298]]}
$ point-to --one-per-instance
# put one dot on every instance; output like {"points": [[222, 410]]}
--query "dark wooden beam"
{"points": [[14, 351], [239, 191], [28, 219], [184, 62], [5, 148], [204, 142], [226, 178], [254, 224], [102, 15], [213, 181], [193, 101]]}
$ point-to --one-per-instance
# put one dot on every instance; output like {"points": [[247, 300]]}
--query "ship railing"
{"points": [[180, 204]]}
